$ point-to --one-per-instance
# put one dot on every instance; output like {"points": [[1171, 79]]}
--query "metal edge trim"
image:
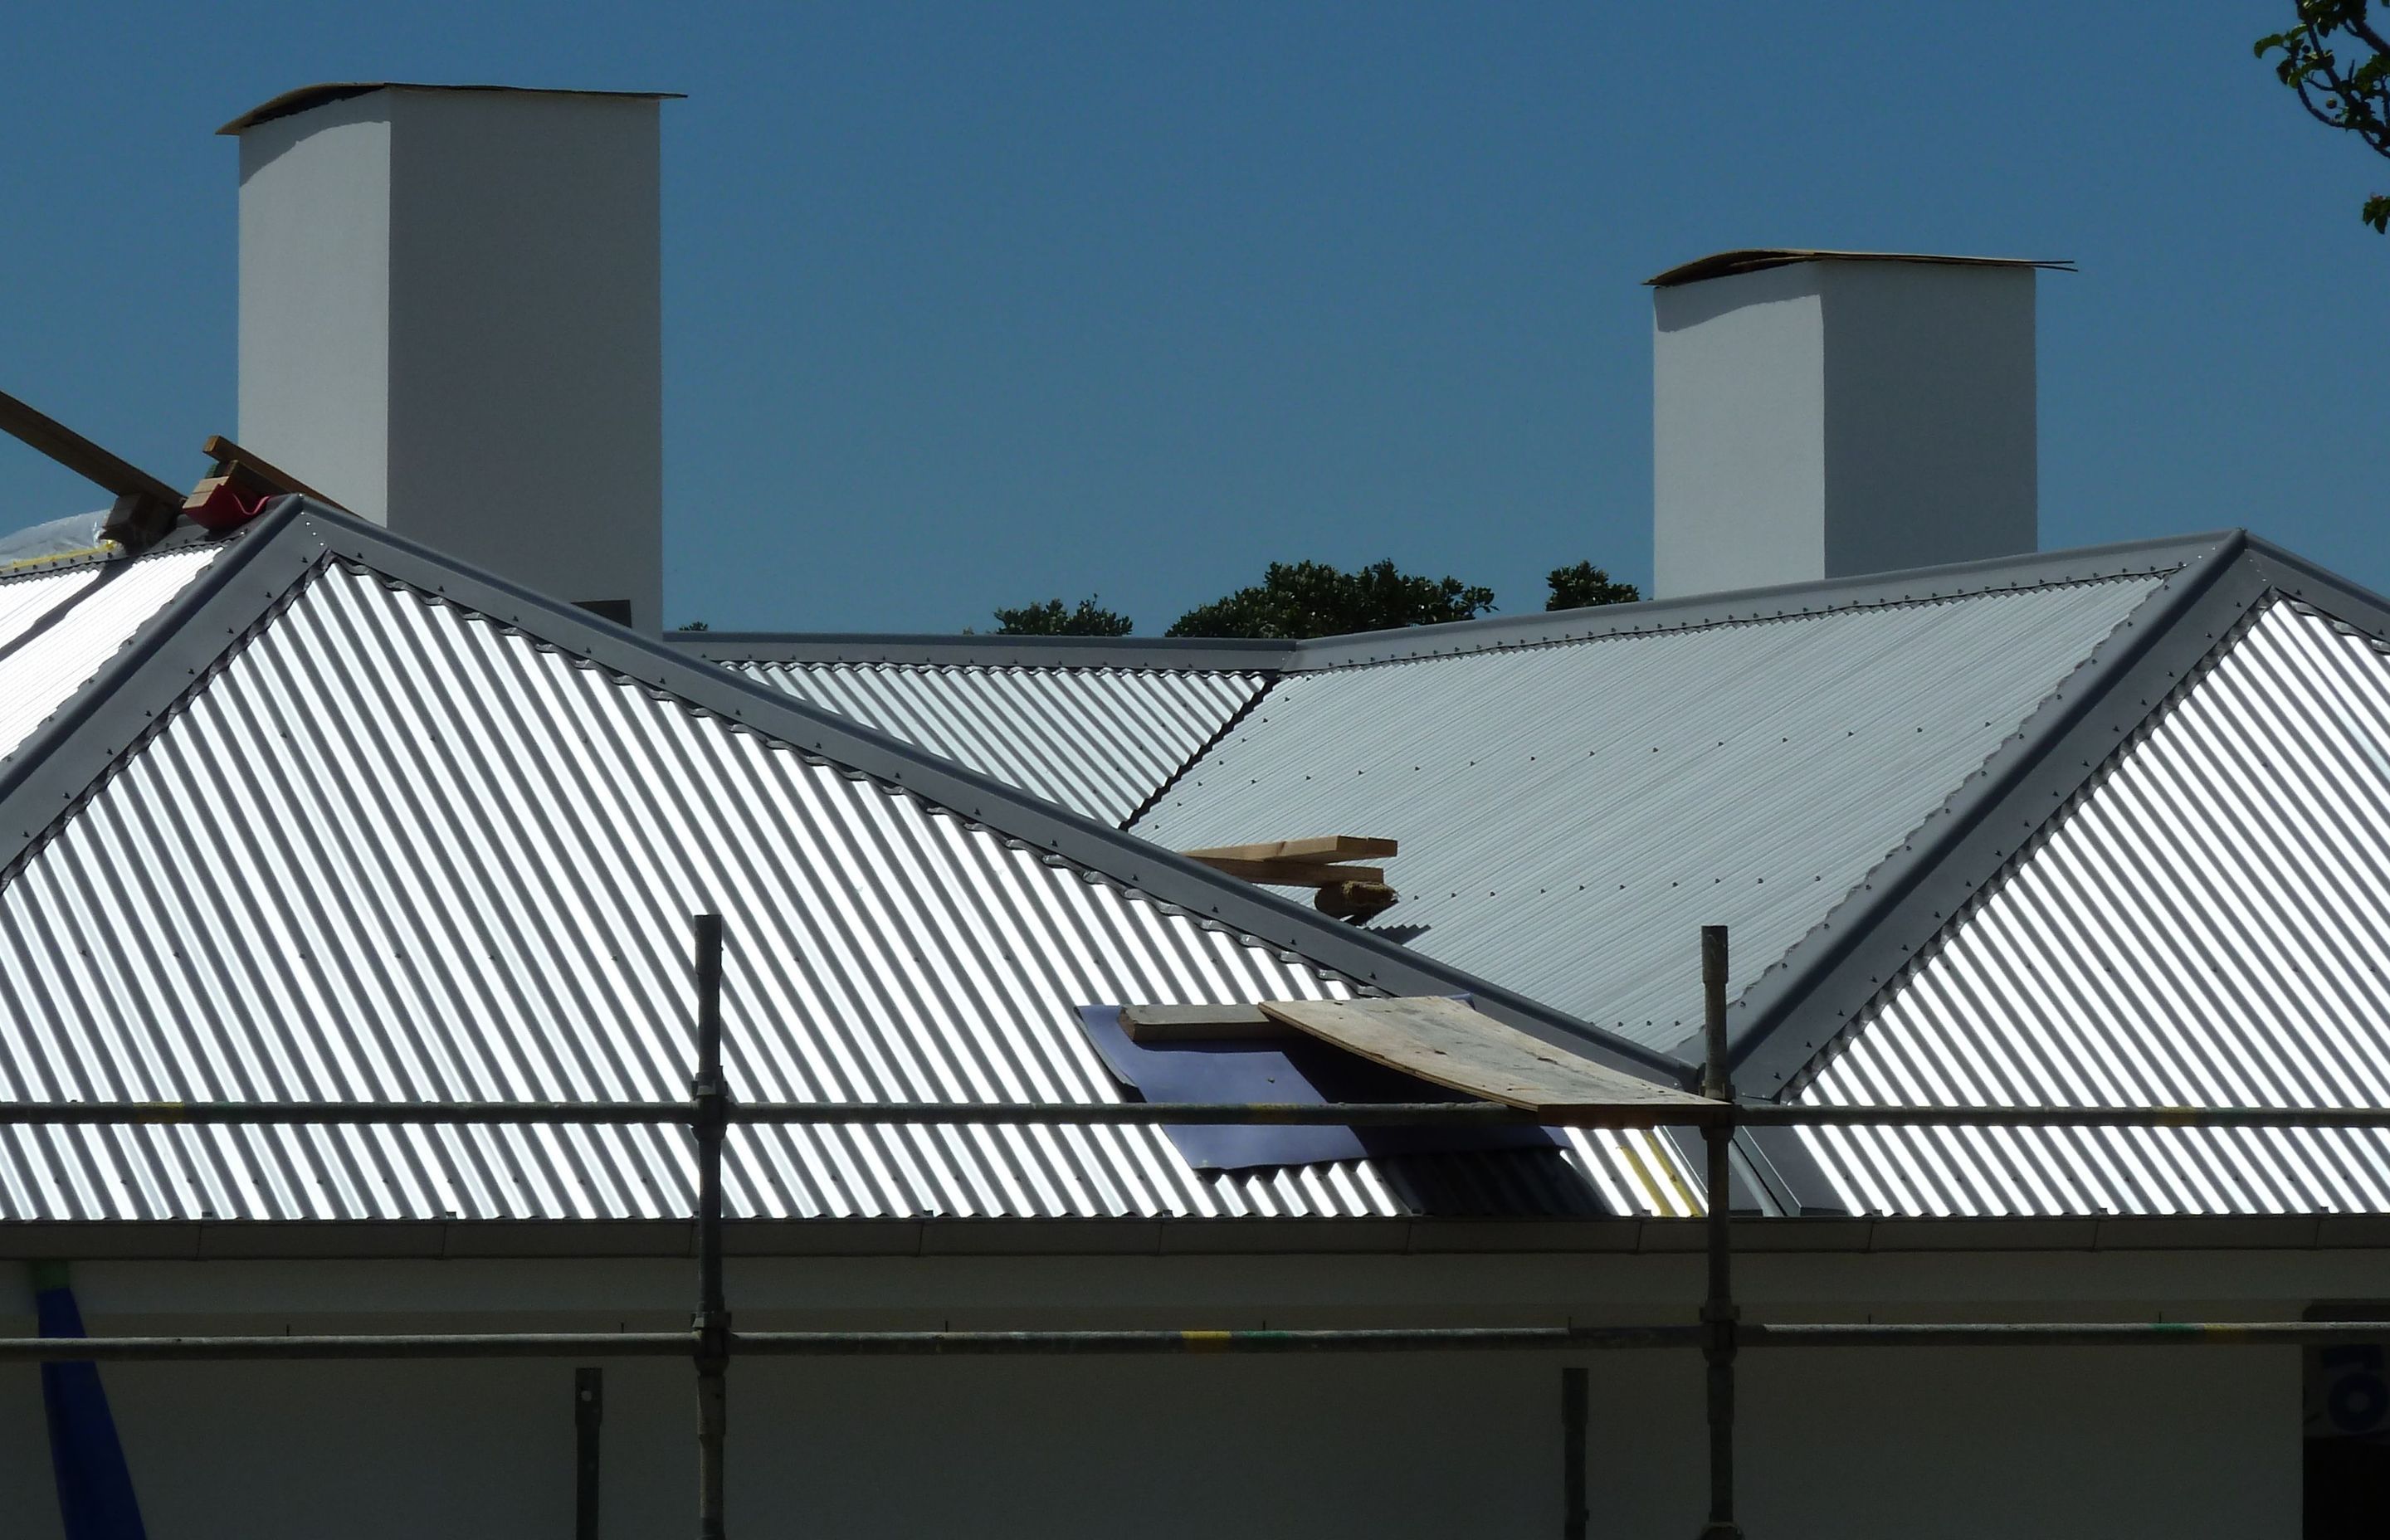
{"points": [[1227, 655], [1783, 601], [1814, 991], [61, 761]]}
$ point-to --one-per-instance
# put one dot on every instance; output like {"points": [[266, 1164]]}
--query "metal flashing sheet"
{"points": [[57, 628]]}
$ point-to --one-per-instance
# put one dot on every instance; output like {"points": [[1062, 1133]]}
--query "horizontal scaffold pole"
{"points": [[965, 1344], [1368, 1114]]}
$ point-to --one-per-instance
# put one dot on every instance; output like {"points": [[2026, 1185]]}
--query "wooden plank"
{"points": [[1151, 1024], [1322, 847], [80, 455], [258, 475], [1448, 1044], [1290, 874]]}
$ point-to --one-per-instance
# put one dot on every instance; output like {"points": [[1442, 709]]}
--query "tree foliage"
{"points": [[1312, 598], [2338, 62], [1585, 583], [1050, 619]]}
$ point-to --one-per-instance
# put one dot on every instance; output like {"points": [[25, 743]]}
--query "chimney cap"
{"points": [[1722, 264], [307, 98]]}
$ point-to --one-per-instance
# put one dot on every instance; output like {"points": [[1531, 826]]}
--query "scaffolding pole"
{"points": [[709, 1331], [1717, 1304], [1751, 1336], [1338, 1114], [709, 1342]]}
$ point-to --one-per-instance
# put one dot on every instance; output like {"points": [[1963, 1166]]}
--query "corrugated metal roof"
{"points": [[393, 848], [1097, 740], [2203, 927], [1571, 814], [58, 625]]}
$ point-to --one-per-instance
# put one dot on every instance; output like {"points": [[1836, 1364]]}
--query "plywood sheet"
{"points": [[1448, 1044]]}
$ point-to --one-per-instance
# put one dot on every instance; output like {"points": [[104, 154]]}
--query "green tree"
{"points": [[1585, 583], [1050, 619], [2348, 90], [1311, 598]]}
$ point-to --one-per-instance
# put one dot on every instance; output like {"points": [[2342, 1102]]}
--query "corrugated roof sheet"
{"points": [[57, 627], [396, 850], [2203, 927], [1097, 741], [1571, 814]]}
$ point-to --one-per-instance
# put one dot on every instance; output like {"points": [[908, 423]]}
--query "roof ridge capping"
{"points": [[1162, 876], [1802, 1002], [1778, 601], [1247, 655], [1722, 264]]}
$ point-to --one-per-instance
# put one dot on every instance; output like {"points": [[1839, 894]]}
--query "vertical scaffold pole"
{"points": [[709, 1120], [588, 1420], [1718, 1313], [1572, 1420]]}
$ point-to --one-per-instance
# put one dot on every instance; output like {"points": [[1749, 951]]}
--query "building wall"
{"points": [[1831, 1445], [1931, 420], [1738, 433], [1831, 419], [315, 299], [2181, 1442], [526, 352], [451, 322]]}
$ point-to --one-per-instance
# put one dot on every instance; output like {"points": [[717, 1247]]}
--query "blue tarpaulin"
{"points": [[95, 1499], [1296, 1068]]}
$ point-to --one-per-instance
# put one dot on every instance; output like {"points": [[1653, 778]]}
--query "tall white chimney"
{"points": [[451, 320], [1824, 414]]}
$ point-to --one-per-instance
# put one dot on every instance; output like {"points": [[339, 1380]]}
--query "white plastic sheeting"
{"points": [[395, 850], [2204, 927], [57, 628]]}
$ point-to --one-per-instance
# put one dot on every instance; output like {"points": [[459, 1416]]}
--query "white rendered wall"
{"points": [[464, 338], [1830, 420], [1738, 433], [315, 299], [1973, 1444]]}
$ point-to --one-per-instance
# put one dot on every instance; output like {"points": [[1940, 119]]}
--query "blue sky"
{"points": [[966, 305]]}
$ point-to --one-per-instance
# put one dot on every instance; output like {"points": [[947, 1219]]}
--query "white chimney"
{"points": [[451, 320], [1822, 413]]}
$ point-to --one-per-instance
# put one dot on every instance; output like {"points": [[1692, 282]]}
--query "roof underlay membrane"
{"points": [[60, 626], [396, 850]]}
